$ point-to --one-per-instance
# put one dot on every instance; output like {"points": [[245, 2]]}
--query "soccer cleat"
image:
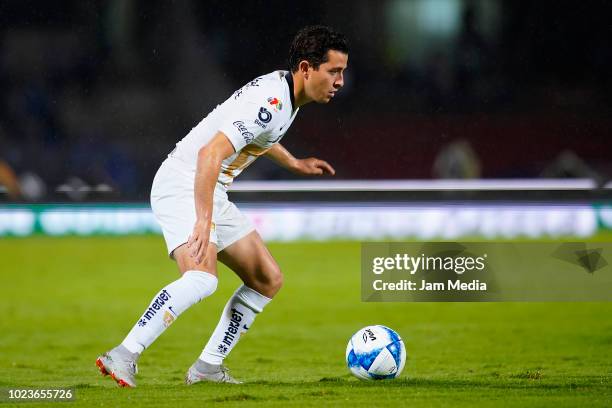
{"points": [[218, 374], [122, 369]]}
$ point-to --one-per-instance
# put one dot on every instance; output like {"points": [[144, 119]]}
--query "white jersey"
{"points": [[254, 118]]}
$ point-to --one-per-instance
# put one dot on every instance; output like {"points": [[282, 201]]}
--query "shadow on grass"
{"points": [[328, 386], [510, 382], [236, 397]]}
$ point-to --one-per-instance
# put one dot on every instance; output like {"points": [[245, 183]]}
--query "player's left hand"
{"points": [[313, 167]]}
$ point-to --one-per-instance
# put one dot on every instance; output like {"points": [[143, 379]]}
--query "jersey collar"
{"points": [[289, 79]]}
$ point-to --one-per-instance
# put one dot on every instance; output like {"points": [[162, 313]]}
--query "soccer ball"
{"points": [[376, 353]]}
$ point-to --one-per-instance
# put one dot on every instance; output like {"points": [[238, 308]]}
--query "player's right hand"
{"points": [[198, 241], [313, 167]]}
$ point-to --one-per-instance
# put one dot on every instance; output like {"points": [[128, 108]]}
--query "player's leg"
{"points": [[251, 260], [196, 282], [172, 203], [262, 278]]}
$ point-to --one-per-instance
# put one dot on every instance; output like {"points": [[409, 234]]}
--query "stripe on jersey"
{"points": [[242, 160]]}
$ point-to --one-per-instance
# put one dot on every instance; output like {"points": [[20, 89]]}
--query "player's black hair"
{"points": [[311, 43]]}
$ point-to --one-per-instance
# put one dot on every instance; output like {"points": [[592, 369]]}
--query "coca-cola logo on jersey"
{"points": [[248, 136]]}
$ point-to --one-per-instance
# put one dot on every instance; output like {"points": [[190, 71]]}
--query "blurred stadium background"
{"points": [[460, 119], [485, 117]]}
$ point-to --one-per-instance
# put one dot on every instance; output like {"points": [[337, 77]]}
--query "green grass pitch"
{"points": [[65, 300]]}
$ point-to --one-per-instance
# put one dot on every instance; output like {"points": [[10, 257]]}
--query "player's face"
{"points": [[324, 82]]}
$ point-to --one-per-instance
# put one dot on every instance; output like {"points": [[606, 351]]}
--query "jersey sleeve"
{"points": [[252, 117]]}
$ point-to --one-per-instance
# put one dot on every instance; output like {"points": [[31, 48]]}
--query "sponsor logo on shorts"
{"points": [[246, 135], [155, 307]]}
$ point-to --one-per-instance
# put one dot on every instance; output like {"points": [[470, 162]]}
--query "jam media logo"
{"points": [[577, 253], [276, 104]]}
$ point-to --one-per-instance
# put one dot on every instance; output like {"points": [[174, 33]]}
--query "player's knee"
{"points": [[276, 280], [186, 262], [201, 284], [270, 282]]}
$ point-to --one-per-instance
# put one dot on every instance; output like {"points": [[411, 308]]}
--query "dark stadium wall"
{"points": [[406, 147]]}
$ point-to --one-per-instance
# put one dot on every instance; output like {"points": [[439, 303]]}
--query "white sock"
{"points": [[236, 319], [167, 305]]}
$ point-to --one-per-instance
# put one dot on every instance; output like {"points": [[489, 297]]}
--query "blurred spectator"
{"points": [[8, 179], [568, 165], [457, 160], [100, 91], [33, 187]]}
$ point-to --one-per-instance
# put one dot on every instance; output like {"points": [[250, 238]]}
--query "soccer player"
{"points": [[199, 223]]}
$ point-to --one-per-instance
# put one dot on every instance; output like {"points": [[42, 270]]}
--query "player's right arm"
{"points": [[208, 167]]}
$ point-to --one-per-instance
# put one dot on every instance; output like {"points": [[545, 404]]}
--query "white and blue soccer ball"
{"points": [[376, 353]]}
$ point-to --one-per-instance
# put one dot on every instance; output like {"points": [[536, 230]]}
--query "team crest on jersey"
{"points": [[168, 318], [276, 103]]}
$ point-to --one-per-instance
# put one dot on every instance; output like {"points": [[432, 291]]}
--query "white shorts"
{"points": [[172, 201]]}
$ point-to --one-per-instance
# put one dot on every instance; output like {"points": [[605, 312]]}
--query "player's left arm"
{"points": [[304, 167]]}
